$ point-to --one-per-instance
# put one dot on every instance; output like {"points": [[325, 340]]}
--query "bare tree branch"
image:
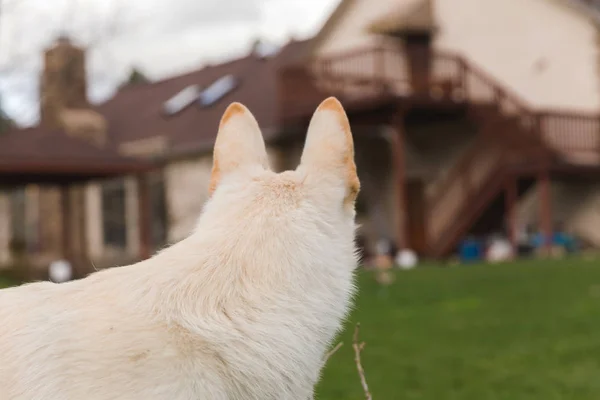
{"points": [[358, 347], [21, 43]]}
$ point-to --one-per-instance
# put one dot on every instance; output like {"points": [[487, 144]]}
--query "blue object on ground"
{"points": [[470, 250]]}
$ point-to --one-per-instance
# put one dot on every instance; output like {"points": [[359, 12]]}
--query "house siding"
{"points": [[544, 50], [350, 30]]}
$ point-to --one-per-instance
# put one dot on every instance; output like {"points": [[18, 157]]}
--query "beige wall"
{"points": [[350, 31], [575, 204], [186, 184], [586, 216], [541, 49]]}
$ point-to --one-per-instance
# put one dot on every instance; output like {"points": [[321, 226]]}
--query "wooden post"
{"points": [[510, 192], [597, 122], [80, 209], [463, 76], [380, 68], [545, 207], [65, 210], [538, 134], [144, 216], [398, 152]]}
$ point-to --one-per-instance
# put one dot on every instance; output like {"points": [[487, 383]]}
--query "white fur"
{"points": [[244, 308]]}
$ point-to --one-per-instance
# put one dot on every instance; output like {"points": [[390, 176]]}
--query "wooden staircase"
{"points": [[477, 178], [511, 132]]}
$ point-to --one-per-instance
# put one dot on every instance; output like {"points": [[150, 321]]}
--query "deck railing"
{"points": [[377, 71], [381, 71]]}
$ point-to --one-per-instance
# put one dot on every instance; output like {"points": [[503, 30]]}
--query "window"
{"points": [[18, 222], [113, 214], [217, 90], [181, 100], [206, 97], [24, 220]]}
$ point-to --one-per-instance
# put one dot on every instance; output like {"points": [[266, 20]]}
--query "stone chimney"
{"points": [[63, 93]]}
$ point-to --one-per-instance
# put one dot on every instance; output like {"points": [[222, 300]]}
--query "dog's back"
{"points": [[244, 308], [86, 340]]}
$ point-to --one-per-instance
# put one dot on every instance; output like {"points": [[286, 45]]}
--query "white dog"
{"points": [[244, 308]]}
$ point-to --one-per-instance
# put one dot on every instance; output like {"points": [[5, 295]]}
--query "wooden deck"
{"points": [[515, 138]]}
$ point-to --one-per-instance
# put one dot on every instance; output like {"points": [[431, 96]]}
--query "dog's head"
{"points": [[317, 198]]}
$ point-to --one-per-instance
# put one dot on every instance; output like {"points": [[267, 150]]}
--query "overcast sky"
{"points": [[161, 37]]}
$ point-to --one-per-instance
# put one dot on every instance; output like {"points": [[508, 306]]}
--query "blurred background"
{"points": [[477, 133]]}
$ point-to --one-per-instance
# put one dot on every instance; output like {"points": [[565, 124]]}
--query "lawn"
{"points": [[519, 331], [528, 330]]}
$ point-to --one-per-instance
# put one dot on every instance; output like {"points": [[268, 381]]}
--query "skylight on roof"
{"points": [[217, 90], [181, 100]]}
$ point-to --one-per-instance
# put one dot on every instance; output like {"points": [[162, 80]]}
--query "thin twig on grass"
{"points": [[358, 347], [333, 351]]}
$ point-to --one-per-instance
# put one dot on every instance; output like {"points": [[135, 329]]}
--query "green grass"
{"points": [[520, 331], [528, 330], [7, 281]]}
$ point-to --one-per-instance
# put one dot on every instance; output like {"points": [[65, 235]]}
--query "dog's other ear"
{"points": [[239, 144], [329, 147]]}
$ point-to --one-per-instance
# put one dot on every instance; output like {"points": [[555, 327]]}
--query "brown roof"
{"points": [[419, 18], [38, 150], [136, 112]]}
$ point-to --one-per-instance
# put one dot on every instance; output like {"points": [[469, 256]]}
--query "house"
{"points": [[102, 185], [483, 115], [468, 117], [42, 177]]}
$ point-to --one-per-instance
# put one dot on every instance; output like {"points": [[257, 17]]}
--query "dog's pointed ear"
{"points": [[239, 144], [329, 147]]}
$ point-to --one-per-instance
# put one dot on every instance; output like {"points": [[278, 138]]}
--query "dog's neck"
{"points": [[282, 320]]}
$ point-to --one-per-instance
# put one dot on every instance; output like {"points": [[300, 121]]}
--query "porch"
{"points": [[54, 225], [386, 86]]}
